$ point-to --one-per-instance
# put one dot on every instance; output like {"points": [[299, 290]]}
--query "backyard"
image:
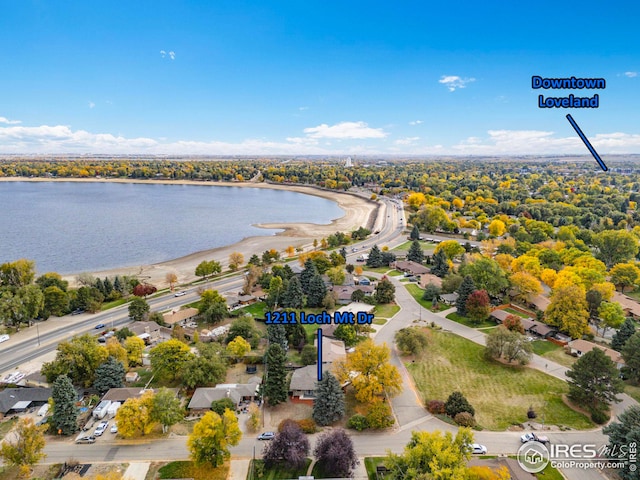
{"points": [[454, 363]]}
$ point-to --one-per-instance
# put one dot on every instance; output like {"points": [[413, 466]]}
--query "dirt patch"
{"points": [[237, 373], [294, 411]]}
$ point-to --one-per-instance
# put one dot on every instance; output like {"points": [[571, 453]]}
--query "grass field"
{"points": [[416, 292], [277, 473], [386, 311], [553, 352], [465, 321], [427, 247], [190, 470], [500, 394], [370, 463], [541, 347], [633, 391]]}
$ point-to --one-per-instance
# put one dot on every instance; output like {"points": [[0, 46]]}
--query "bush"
{"points": [[600, 417], [465, 419], [380, 416], [531, 413], [358, 422], [286, 422], [308, 425], [435, 406]]}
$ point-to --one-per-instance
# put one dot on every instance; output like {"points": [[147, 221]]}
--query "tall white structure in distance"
{"points": [[348, 162]]}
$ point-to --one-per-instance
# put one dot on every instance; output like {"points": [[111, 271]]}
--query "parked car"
{"points": [[478, 449], [114, 428], [532, 437], [86, 439], [266, 436], [99, 326], [179, 294], [102, 426], [4, 338]]}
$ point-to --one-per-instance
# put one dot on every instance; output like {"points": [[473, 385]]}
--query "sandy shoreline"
{"points": [[359, 211]]}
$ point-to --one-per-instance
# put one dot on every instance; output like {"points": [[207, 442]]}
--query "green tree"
{"points": [[65, 413], [293, 296], [431, 292], [568, 311], [624, 275], [328, 407], [611, 316], [308, 273], [203, 370], [415, 253], [429, 218], [385, 291], [219, 406], [206, 268], [440, 264], [110, 374], [412, 340], [138, 309], [487, 275], [275, 386], [309, 355], [594, 380], [166, 409], [619, 339], [26, 446], [432, 455], [510, 345], [52, 279], [625, 432], [375, 257], [78, 359], [169, 358], [244, 327], [615, 246], [457, 403], [336, 275], [317, 292], [56, 301], [212, 306], [631, 354], [415, 233], [594, 300], [212, 436], [467, 287], [278, 334], [275, 292], [17, 274], [347, 333]]}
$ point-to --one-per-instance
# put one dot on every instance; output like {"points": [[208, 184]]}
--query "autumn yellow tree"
{"points": [[238, 347], [451, 248], [527, 263], [117, 351], [24, 447], [525, 286], [171, 278], [211, 437], [370, 372], [290, 251], [236, 259], [569, 311], [497, 228], [134, 346], [134, 417], [549, 276]]}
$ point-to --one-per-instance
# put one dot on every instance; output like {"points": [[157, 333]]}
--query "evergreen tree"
{"points": [[457, 403], [317, 292], [329, 404], [254, 260], [108, 287], [109, 375], [310, 271], [343, 253], [118, 285], [375, 257], [277, 334], [65, 412], [387, 258], [431, 292], [415, 233], [594, 380], [415, 252], [275, 385], [385, 291], [621, 336], [293, 296], [622, 433], [440, 264], [464, 292], [296, 335], [631, 355]]}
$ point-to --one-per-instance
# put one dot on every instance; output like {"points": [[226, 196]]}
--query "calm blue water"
{"points": [[69, 227]]}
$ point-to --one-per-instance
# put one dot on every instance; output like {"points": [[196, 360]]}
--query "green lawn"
{"points": [[395, 273], [553, 352], [465, 321], [276, 473], [416, 292], [380, 321], [519, 314], [190, 470], [404, 247], [632, 390], [540, 347], [386, 311], [370, 463], [113, 304], [501, 394], [6, 426], [257, 309]]}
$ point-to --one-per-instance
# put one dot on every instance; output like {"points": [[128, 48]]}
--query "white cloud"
{"points": [[345, 130], [407, 141], [91, 104], [172, 55], [303, 108], [6, 121], [631, 74], [452, 82], [163, 53], [416, 122]]}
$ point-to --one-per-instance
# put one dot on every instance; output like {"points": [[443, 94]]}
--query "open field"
{"points": [[386, 311], [553, 352], [190, 470], [452, 363]]}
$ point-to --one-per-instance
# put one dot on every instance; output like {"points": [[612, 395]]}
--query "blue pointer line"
{"points": [[586, 142], [319, 354]]}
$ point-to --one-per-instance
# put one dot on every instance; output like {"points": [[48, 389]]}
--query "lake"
{"points": [[70, 227]]}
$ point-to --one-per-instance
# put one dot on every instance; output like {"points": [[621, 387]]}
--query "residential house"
{"points": [[304, 382], [449, 298], [237, 301], [428, 278], [579, 347], [342, 293], [332, 350], [630, 307], [13, 400], [241, 394], [180, 316], [149, 331], [410, 267], [123, 394]]}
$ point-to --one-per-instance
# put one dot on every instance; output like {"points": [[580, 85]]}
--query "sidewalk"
{"points": [[136, 471]]}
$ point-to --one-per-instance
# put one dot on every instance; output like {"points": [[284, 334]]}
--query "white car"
{"points": [[179, 294], [4, 338], [114, 428], [100, 429], [478, 449]]}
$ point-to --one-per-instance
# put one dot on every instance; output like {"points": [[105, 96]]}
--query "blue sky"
{"points": [[317, 77]]}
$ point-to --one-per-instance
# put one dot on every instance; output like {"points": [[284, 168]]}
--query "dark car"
{"points": [[99, 326]]}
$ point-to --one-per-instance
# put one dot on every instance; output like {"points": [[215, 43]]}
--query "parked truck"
{"points": [[101, 410]]}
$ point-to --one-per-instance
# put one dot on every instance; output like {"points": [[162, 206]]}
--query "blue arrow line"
{"points": [[319, 354], [586, 142]]}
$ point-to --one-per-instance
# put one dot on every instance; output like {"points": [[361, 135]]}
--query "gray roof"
{"points": [[305, 378], [124, 394], [138, 328], [10, 396], [203, 397]]}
